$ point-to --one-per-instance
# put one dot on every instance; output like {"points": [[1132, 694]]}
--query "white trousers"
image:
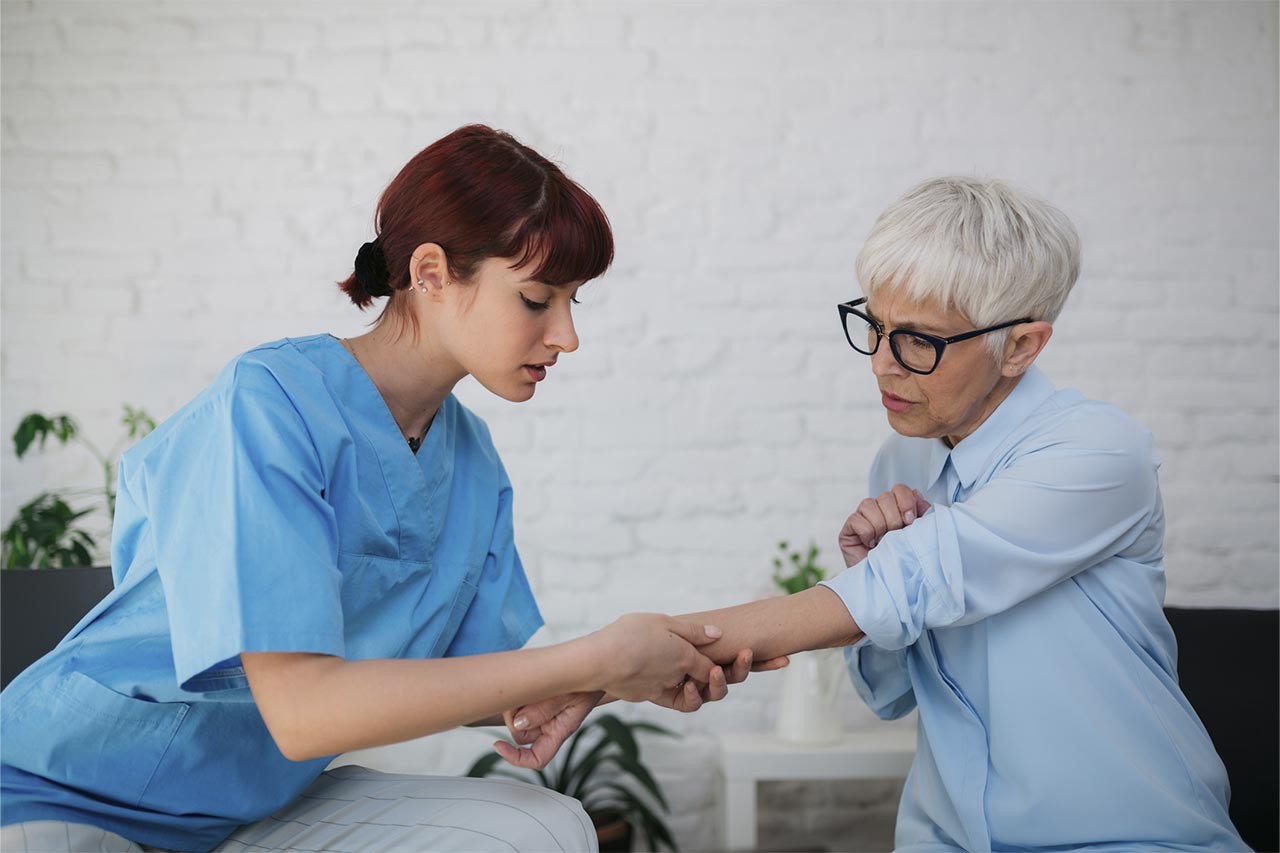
{"points": [[355, 810]]}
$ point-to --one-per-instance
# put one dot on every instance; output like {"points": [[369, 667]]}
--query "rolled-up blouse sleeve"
{"points": [[881, 678], [1049, 513], [245, 543], [503, 615]]}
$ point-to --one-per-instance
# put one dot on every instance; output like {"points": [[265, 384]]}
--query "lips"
{"points": [[894, 403], [537, 372]]}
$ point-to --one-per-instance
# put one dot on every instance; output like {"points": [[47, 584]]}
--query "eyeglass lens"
{"points": [[912, 351]]}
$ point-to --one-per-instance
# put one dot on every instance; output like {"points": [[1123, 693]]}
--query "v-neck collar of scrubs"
{"points": [[416, 481], [970, 457]]}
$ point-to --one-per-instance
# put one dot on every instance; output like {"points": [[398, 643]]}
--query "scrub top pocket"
{"points": [[461, 602], [110, 744]]}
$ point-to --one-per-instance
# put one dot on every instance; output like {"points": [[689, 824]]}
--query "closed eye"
{"points": [[535, 306], [918, 342]]}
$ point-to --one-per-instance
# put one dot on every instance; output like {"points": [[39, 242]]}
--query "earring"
{"points": [[422, 286]]}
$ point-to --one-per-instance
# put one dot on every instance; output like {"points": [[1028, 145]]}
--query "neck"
{"points": [[1003, 388], [413, 374]]}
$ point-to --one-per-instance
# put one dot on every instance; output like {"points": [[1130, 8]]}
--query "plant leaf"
{"points": [[641, 774], [566, 769], [484, 765], [578, 776], [43, 534], [620, 733], [26, 433], [138, 422], [79, 556], [637, 810], [65, 428], [602, 802], [36, 426]]}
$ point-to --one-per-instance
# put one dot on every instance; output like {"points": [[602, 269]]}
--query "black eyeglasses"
{"points": [[916, 351]]}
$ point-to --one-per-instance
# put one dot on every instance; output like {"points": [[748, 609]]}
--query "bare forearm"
{"points": [[318, 705], [813, 619]]}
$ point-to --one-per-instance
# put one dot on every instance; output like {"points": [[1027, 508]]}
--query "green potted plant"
{"points": [[601, 766], [804, 570], [49, 532]]}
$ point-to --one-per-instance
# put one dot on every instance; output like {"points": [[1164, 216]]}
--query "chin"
{"points": [[518, 395], [512, 392], [905, 426]]}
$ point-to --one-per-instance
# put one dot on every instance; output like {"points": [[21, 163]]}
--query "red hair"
{"points": [[478, 193]]}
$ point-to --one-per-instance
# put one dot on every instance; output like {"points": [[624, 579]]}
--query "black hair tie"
{"points": [[371, 270]]}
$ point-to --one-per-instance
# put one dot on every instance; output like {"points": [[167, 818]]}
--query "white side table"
{"points": [[748, 757]]}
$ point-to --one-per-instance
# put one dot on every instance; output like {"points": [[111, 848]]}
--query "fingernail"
{"points": [[520, 723], [712, 631], [909, 516]]}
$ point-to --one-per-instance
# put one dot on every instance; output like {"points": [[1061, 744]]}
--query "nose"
{"points": [[883, 363], [561, 334]]}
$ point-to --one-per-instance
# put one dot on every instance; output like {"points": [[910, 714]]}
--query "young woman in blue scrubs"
{"points": [[315, 555]]}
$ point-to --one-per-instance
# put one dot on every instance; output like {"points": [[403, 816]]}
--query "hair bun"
{"points": [[371, 270]]}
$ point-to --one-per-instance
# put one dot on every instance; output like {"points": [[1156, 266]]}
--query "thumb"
{"points": [[534, 716], [696, 635], [513, 755], [922, 505]]}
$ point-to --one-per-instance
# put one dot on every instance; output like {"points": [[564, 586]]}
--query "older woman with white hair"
{"points": [[1007, 580]]}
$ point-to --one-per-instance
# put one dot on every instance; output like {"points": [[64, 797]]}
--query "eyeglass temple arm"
{"points": [[964, 337]]}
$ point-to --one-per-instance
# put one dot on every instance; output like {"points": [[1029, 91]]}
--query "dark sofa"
{"points": [[1229, 669]]}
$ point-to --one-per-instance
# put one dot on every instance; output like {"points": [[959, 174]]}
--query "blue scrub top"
{"points": [[280, 510], [1023, 616]]}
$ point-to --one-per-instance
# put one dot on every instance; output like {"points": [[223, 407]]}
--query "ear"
{"points": [[1024, 344], [429, 270]]}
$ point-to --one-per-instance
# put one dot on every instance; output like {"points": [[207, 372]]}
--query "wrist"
{"points": [[591, 661]]}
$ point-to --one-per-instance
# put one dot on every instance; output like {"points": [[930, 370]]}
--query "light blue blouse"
{"points": [[1023, 616], [281, 510]]}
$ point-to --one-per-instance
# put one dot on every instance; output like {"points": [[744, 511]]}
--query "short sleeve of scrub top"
{"points": [[245, 543]]}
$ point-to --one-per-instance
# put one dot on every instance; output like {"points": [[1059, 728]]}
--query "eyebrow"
{"points": [[910, 326]]}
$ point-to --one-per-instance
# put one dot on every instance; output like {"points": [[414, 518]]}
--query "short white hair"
{"points": [[981, 247]]}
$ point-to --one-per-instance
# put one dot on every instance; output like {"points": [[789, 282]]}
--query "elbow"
{"points": [[288, 736], [294, 741], [288, 690], [300, 752]]}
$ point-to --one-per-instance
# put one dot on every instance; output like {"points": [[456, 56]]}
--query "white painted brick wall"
{"points": [[182, 180]]}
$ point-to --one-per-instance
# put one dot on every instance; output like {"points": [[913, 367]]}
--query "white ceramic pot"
{"points": [[807, 710]]}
